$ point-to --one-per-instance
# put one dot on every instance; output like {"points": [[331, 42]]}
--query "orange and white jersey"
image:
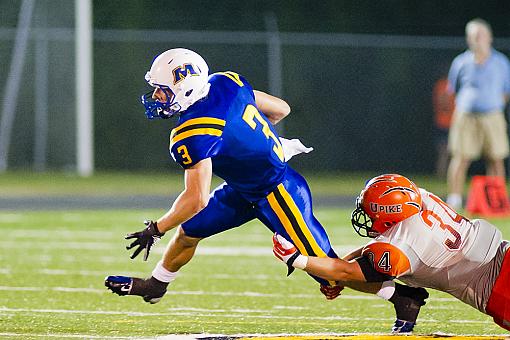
{"points": [[440, 249]]}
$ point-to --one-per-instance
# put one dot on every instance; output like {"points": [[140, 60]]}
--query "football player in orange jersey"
{"points": [[420, 240]]}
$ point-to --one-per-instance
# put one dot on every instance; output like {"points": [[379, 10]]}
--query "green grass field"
{"points": [[52, 266], [21, 184]]}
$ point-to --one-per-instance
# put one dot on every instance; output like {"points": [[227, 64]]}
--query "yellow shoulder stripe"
{"points": [[194, 132], [201, 120], [232, 76]]}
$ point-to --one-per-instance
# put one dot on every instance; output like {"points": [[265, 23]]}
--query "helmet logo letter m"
{"points": [[181, 72]]}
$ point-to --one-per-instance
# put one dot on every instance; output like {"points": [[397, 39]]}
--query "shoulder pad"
{"points": [[387, 258]]}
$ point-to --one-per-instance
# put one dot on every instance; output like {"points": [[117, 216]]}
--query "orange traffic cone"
{"points": [[488, 197]]}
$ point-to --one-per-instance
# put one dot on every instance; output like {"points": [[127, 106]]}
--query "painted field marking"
{"points": [[201, 292], [62, 336], [201, 250], [262, 337], [223, 315], [364, 337]]}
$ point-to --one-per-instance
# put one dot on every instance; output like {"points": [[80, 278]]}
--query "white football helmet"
{"points": [[183, 75]]}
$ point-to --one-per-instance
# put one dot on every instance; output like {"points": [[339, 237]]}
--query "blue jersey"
{"points": [[227, 127], [480, 87]]}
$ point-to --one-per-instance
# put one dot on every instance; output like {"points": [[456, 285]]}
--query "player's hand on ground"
{"points": [[144, 239], [331, 292]]}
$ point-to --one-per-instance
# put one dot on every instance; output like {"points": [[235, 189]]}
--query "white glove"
{"points": [[288, 253], [282, 248], [292, 147]]}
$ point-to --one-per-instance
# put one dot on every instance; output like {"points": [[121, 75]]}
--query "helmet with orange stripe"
{"points": [[385, 201]]}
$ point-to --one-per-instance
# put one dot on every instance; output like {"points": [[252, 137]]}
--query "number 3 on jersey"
{"points": [[183, 151], [251, 116], [449, 223]]}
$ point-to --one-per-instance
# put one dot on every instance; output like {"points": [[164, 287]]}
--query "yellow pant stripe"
{"points": [[286, 223], [301, 222]]}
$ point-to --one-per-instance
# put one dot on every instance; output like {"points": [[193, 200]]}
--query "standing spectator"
{"points": [[480, 79], [443, 103]]}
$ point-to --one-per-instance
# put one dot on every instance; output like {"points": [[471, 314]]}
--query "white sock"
{"points": [[387, 290], [160, 273]]}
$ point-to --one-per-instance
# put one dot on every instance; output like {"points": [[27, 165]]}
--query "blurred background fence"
{"points": [[362, 100]]}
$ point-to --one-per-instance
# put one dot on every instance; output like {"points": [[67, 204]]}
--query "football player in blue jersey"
{"points": [[226, 128]]}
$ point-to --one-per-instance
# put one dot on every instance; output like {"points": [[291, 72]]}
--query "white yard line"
{"points": [[283, 336], [10, 217], [367, 336], [201, 250], [52, 245], [79, 336], [57, 272], [201, 292], [62, 232], [82, 336], [230, 314]]}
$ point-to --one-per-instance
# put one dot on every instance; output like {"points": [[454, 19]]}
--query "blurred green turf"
{"points": [[52, 266], [16, 184]]}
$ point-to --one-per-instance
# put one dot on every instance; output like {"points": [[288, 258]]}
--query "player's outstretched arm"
{"points": [[359, 270], [274, 108], [324, 267], [194, 198]]}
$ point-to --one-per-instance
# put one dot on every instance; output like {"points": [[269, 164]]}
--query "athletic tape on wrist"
{"points": [[300, 262]]}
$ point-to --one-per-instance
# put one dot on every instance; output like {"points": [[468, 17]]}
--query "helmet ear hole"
{"points": [[188, 93]]}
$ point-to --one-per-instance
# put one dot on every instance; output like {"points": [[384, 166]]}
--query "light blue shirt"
{"points": [[480, 87]]}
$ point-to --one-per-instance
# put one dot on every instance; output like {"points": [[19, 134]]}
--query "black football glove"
{"points": [[145, 239]]}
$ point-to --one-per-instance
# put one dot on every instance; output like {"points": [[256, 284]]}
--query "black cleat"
{"points": [[151, 290], [120, 285]]}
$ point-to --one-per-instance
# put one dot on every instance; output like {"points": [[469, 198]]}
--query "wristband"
{"points": [[300, 262]]}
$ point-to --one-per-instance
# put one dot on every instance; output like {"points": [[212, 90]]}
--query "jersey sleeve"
{"points": [[196, 140], [235, 81], [387, 259]]}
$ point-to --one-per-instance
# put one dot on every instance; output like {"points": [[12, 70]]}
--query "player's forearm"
{"points": [[275, 117], [274, 108], [365, 287], [184, 207], [334, 269]]}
